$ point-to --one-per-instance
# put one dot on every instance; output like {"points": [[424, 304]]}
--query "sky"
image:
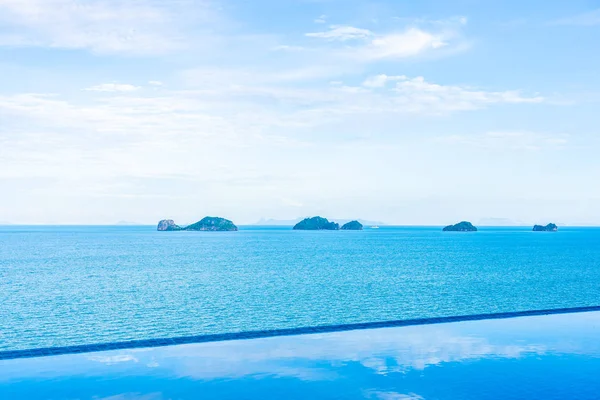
{"points": [[408, 112]]}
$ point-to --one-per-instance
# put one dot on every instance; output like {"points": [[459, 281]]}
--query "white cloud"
{"points": [[112, 26], [247, 94], [422, 96], [334, 99], [112, 136], [224, 101], [113, 87], [321, 19], [118, 143], [54, 134], [370, 46], [397, 396], [509, 140], [342, 33], [381, 80], [384, 351], [111, 360], [116, 135], [400, 45], [134, 396]]}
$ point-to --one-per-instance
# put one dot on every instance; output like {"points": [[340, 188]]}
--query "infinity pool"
{"points": [[542, 357]]}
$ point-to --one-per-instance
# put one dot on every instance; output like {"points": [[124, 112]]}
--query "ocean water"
{"points": [[76, 285]]}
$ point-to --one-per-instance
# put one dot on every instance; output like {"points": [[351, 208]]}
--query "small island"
{"points": [[352, 226], [547, 228], [168, 225], [463, 226], [212, 224], [316, 224]]}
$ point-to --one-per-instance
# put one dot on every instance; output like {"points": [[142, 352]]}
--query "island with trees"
{"points": [[463, 226], [546, 228], [352, 226], [212, 224], [316, 224]]}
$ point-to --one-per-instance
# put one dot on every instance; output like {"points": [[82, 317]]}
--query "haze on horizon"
{"points": [[409, 113]]}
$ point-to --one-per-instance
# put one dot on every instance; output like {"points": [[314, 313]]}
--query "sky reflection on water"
{"points": [[536, 357]]}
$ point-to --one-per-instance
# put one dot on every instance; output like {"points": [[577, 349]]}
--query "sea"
{"points": [[71, 285]]}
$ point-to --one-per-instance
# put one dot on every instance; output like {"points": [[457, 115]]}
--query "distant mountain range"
{"points": [[292, 222]]}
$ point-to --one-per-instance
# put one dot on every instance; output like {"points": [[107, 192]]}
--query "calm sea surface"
{"points": [[77, 285]]}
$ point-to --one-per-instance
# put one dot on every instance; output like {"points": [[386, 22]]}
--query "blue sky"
{"points": [[408, 112]]}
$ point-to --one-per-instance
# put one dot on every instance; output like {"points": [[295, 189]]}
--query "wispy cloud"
{"points": [[342, 33], [508, 140], [321, 19], [386, 352], [381, 80], [114, 26], [111, 360], [138, 133], [454, 97], [245, 100], [333, 99], [399, 45], [396, 396], [367, 45]]}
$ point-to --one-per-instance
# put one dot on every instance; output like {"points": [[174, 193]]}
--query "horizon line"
{"points": [[8, 224]]}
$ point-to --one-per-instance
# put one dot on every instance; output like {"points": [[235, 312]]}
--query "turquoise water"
{"points": [[74, 285]]}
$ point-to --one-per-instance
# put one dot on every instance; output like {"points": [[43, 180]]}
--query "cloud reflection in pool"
{"points": [[535, 357]]}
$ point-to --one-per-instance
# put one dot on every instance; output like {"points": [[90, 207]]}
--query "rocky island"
{"points": [[213, 224], [547, 228], [316, 224], [463, 226], [352, 226], [168, 225]]}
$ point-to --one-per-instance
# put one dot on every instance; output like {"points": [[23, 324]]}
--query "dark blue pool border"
{"points": [[137, 344]]}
